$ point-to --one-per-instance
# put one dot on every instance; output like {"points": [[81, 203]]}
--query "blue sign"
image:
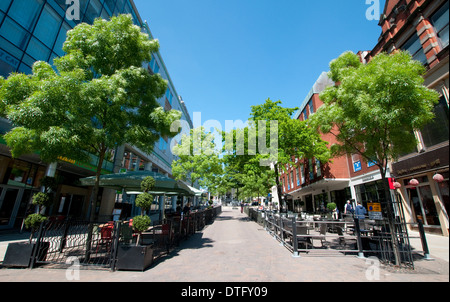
{"points": [[357, 166], [371, 163]]}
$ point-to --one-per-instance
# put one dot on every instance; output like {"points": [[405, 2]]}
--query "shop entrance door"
{"points": [[10, 198], [423, 204]]}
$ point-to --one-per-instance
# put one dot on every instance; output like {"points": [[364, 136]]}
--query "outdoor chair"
{"points": [[105, 237], [303, 230], [349, 224], [126, 233], [322, 232], [342, 240]]}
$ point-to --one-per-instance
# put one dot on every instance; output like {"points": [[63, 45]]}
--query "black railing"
{"points": [[363, 237], [95, 245]]}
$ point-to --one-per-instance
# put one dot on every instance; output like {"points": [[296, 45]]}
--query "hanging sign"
{"points": [[375, 211]]}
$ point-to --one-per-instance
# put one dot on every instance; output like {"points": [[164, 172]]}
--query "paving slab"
{"points": [[235, 249]]}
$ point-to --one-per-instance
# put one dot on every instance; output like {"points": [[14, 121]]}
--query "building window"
{"points": [[38, 50], [48, 26], [4, 4], [302, 169], [93, 11], [154, 65], [356, 163], [440, 23], [15, 34], [26, 12], [162, 144], [288, 182], [438, 130], [311, 107], [370, 192], [311, 169], [421, 200], [169, 96], [414, 47], [61, 39], [318, 168], [298, 175], [305, 114]]}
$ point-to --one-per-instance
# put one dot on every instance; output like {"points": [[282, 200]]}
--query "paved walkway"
{"points": [[234, 249]]}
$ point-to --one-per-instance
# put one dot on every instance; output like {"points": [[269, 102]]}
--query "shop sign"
{"points": [[4, 56], [429, 160], [375, 211], [357, 166]]}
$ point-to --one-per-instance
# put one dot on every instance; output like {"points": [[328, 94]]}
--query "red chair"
{"points": [[105, 236]]}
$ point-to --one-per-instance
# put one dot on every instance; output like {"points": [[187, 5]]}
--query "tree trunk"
{"points": [[93, 202], [94, 196], [278, 186], [391, 218]]}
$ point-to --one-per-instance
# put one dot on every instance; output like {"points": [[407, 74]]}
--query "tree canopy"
{"points": [[98, 98], [198, 159], [375, 107]]}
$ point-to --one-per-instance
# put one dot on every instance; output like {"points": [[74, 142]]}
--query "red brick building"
{"points": [[422, 28]]}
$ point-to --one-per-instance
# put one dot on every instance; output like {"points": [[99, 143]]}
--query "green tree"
{"points": [[198, 159], [144, 201], [99, 98], [295, 138], [375, 107]]}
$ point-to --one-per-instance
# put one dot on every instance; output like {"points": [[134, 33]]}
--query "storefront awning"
{"points": [[197, 192], [327, 184], [131, 182]]}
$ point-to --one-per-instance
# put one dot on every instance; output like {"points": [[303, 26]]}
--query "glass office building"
{"points": [[35, 30], [32, 30]]}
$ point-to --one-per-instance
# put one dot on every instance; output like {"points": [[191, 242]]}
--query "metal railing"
{"points": [[95, 245], [363, 237]]}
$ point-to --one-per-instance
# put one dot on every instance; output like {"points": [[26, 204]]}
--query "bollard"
{"points": [[423, 238], [281, 232], [295, 254], [358, 237]]}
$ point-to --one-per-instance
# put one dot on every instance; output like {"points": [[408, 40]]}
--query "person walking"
{"points": [[348, 209], [360, 211]]}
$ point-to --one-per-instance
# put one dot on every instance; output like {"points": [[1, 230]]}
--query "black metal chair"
{"points": [[302, 231]]}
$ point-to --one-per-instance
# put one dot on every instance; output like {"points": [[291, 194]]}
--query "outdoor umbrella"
{"points": [[131, 181]]}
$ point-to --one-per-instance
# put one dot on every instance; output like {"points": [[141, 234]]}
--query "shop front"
{"points": [[19, 180], [424, 192], [313, 198]]}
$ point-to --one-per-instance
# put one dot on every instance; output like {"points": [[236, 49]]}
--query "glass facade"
{"points": [[32, 30]]}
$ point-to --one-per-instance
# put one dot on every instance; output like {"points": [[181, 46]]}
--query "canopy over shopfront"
{"points": [[197, 192], [131, 182]]}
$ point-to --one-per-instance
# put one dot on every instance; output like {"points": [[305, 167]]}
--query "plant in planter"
{"points": [[331, 207], [139, 257], [144, 201], [20, 254]]}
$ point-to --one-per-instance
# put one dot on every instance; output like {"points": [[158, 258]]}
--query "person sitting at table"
{"points": [[187, 209]]}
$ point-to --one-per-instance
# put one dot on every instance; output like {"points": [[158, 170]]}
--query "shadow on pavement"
{"points": [[196, 241]]}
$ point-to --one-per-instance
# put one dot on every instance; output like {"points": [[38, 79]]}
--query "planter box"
{"points": [[19, 254], [134, 258]]}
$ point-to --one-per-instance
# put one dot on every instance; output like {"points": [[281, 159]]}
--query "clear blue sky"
{"points": [[225, 55]]}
